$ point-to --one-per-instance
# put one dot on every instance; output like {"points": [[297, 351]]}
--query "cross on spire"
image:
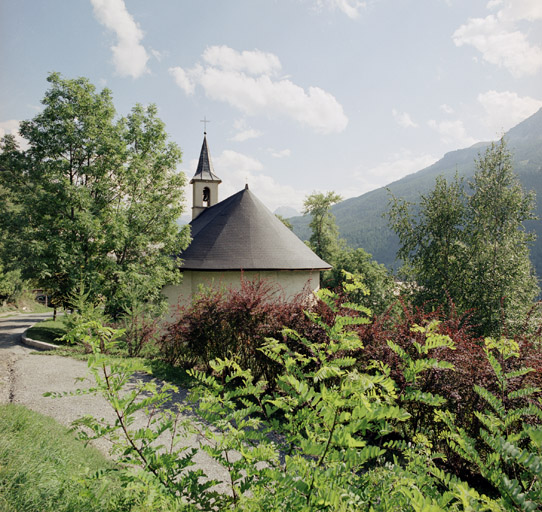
{"points": [[205, 121]]}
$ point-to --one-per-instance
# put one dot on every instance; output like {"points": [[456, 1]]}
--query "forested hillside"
{"points": [[361, 219]]}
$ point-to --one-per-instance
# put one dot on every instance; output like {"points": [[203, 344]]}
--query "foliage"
{"points": [[11, 285], [327, 245], [324, 240], [232, 323], [433, 245], [330, 435], [472, 248], [379, 283], [511, 460], [142, 330], [502, 283], [94, 199], [43, 467], [154, 470], [285, 221], [471, 369]]}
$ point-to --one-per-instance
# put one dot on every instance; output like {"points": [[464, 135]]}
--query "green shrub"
{"points": [[329, 435]]}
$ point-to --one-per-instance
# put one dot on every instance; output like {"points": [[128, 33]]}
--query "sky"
{"points": [[302, 96]]}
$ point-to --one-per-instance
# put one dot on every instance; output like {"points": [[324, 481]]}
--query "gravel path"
{"points": [[25, 375]]}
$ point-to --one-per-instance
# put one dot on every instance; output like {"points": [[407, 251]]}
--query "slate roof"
{"points": [[241, 233], [205, 169]]}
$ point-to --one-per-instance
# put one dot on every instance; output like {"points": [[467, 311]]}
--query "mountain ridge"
{"points": [[360, 219]]}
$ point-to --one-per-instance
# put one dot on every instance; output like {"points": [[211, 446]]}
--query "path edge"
{"points": [[40, 345]]}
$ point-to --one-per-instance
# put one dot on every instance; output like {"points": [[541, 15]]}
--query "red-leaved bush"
{"points": [[470, 363], [456, 385], [234, 323]]}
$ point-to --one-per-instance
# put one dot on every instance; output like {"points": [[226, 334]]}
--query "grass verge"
{"points": [[27, 308], [49, 331], [43, 467]]}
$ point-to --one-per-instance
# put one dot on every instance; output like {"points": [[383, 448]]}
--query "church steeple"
{"points": [[205, 182]]}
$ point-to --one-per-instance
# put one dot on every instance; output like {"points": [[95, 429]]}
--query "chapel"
{"points": [[239, 238]]}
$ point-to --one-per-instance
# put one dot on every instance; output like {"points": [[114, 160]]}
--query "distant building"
{"points": [[239, 236]]}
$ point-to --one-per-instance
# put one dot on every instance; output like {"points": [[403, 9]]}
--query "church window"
{"points": [[206, 196]]}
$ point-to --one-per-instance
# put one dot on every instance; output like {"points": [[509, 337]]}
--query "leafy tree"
{"points": [[502, 282], [11, 283], [433, 244], [324, 240], [472, 248], [378, 280], [96, 199], [285, 221], [326, 243]]}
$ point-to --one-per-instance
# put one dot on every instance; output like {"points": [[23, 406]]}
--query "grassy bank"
{"points": [[49, 331], [26, 308], [43, 465]]}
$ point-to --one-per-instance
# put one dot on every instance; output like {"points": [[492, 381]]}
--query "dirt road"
{"points": [[25, 375]]}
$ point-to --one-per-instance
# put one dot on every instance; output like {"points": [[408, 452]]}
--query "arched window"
{"points": [[206, 197]]}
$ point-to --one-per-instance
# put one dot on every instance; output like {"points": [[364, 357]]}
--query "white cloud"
{"points": [[452, 132], [349, 7], [244, 132], [246, 81], [246, 135], [399, 165], [506, 109], [183, 80], [237, 169], [403, 119], [283, 153], [253, 62], [11, 127], [129, 55], [515, 10], [158, 55], [499, 38], [446, 109]]}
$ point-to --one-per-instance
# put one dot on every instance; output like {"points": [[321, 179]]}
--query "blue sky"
{"points": [[302, 95]]}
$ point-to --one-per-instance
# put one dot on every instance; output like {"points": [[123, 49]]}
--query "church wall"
{"points": [[291, 282]]}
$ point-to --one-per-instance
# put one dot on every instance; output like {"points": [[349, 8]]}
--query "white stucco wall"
{"points": [[292, 282]]}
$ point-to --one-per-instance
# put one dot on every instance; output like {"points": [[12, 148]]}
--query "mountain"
{"points": [[361, 220], [286, 211]]}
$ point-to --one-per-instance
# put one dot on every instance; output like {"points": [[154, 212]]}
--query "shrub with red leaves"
{"points": [[471, 368], [234, 323]]}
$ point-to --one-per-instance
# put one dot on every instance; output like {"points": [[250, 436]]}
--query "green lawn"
{"points": [[49, 331], [43, 467]]}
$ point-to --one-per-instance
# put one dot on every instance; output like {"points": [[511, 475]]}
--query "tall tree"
{"points": [[325, 234], [376, 277], [472, 247], [502, 283], [97, 198], [432, 240]]}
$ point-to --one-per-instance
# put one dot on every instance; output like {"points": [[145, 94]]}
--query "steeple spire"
{"points": [[205, 169]]}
